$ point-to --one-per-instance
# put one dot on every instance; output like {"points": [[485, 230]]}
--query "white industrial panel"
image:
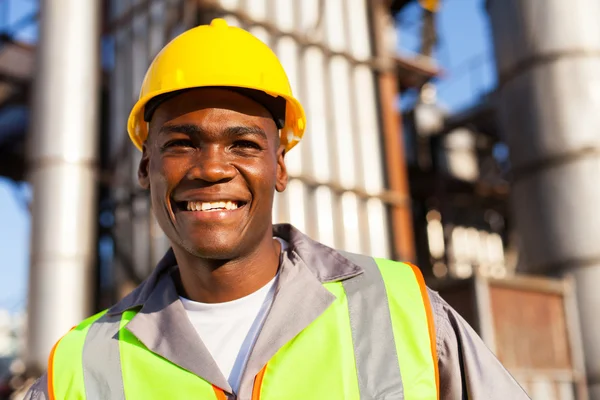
{"points": [[284, 14], [287, 51], [309, 15], [324, 212], [369, 137], [344, 139], [364, 231], [230, 4], [316, 108], [256, 9], [297, 204], [472, 245], [281, 207], [352, 238], [232, 21], [360, 45], [335, 25]]}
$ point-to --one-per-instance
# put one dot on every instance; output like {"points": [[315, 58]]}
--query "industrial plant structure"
{"points": [[418, 185]]}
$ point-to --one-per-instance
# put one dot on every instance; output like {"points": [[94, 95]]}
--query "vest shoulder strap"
{"points": [[407, 308], [65, 372]]}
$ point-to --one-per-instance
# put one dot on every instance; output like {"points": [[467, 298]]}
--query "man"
{"points": [[242, 309]]}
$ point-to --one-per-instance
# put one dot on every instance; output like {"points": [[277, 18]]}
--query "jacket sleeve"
{"points": [[39, 390], [468, 369]]}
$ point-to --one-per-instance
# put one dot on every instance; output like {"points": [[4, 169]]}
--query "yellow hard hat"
{"points": [[218, 55]]}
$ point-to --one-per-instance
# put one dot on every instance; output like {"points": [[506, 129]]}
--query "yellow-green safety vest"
{"points": [[376, 341]]}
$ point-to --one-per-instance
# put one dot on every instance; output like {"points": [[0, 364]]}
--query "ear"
{"points": [[143, 175], [282, 175]]}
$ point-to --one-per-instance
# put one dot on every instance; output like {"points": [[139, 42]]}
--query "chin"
{"points": [[215, 248]]}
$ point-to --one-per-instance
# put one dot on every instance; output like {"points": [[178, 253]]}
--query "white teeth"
{"points": [[211, 206]]}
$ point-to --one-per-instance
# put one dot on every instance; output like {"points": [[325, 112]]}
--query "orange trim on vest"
{"points": [[430, 323], [258, 383], [51, 372], [50, 375], [219, 393]]}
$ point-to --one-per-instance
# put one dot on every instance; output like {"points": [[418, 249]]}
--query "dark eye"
{"points": [[246, 144], [178, 143]]}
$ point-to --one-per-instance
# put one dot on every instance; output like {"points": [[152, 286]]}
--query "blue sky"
{"points": [[464, 53], [464, 50]]}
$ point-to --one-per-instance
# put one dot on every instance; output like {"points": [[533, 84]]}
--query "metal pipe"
{"points": [[548, 60], [62, 172]]}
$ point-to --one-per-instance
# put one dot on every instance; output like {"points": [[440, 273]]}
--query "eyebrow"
{"points": [[232, 131]]}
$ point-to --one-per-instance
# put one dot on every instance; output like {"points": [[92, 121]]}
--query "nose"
{"points": [[211, 165]]}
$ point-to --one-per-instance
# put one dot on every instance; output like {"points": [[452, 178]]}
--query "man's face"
{"points": [[212, 162]]}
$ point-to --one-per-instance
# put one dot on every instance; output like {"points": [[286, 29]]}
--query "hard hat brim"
{"points": [[276, 106], [290, 133]]}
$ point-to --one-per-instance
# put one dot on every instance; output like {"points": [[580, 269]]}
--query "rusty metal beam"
{"points": [[397, 171]]}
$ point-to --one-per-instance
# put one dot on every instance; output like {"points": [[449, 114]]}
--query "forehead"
{"points": [[197, 104]]}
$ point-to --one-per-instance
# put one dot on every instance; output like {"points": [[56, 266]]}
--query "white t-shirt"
{"points": [[229, 330]]}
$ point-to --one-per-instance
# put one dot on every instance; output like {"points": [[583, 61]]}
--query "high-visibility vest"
{"points": [[334, 357]]}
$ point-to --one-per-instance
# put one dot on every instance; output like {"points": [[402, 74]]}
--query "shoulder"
{"points": [[73, 341], [81, 328], [466, 365], [450, 327], [442, 317], [39, 390]]}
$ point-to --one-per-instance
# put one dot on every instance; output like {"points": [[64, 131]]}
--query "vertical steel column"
{"points": [[63, 158], [548, 60]]}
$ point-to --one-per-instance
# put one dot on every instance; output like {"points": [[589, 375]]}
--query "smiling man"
{"points": [[212, 161], [239, 308]]}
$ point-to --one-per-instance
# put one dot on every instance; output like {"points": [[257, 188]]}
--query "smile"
{"points": [[209, 210], [212, 206]]}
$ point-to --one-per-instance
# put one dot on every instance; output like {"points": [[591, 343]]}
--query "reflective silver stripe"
{"points": [[377, 363], [102, 376]]}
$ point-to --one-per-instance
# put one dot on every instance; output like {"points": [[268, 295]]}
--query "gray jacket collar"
{"points": [[327, 264]]}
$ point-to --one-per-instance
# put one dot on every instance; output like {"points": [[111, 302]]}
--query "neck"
{"points": [[218, 281]]}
